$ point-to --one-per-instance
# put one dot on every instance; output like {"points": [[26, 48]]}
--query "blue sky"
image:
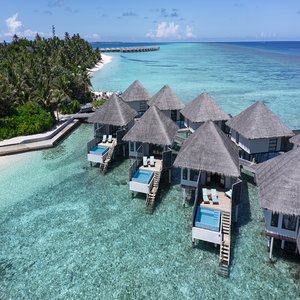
{"points": [[133, 20]]}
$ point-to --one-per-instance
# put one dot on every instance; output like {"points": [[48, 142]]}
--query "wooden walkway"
{"points": [[38, 145], [248, 165], [130, 49]]}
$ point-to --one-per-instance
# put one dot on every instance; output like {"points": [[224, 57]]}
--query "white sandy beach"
{"points": [[105, 60]]}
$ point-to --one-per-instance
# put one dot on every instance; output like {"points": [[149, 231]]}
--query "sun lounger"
{"points": [[205, 196], [228, 194], [104, 138], [152, 162], [110, 138], [214, 196], [145, 161]]}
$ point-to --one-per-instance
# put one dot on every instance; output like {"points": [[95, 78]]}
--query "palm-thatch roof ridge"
{"points": [[278, 181], [295, 140], [135, 92], [204, 108], [166, 99], [209, 149], [257, 122], [154, 127], [113, 112]]}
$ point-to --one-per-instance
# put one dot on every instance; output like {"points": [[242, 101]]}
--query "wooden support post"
{"points": [[124, 151], [282, 244], [184, 196], [170, 176], [269, 239], [271, 248], [236, 213]]}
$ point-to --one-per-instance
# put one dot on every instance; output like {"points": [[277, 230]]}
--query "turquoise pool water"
{"points": [[208, 218], [68, 232], [142, 176], [99, 150]]}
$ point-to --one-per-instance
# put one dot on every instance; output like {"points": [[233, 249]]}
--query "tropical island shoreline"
{"points": [[105, 59]]}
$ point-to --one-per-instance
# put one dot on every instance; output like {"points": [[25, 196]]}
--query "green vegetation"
{"points": [[29, 118], [42, 76], [97, 103]]}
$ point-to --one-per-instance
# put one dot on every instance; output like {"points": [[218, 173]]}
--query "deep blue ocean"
{"points": [[235, 74]]}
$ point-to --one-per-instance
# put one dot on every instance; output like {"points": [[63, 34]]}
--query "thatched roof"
{"points": [[154, 127], [166, 99], [296, 140], [209, 149], [204, 108], [257, 122], [278, 181], [135, 92], [113, 112]]}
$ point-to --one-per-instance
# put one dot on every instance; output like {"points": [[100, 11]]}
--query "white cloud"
{"points": [[189, 32], [13, 24], [165, 30], [14, 27], [95, 35], [171, 30]]}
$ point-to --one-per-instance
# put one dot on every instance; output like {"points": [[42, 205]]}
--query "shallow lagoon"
{"points": [[66, 232]]}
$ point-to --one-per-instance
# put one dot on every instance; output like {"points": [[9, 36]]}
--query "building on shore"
{"points": [[209, 166], [137, 97], [150, 140], [259, 133], [202, 109], [111, 122], [278, 181], [169, 103]]}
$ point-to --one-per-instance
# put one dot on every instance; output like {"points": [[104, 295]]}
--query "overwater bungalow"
{"points": [[209, 166], [278, 182], [169, 103], [295, 140], [111, 122], [202, 109], [149, 141], [136, 96], [259, 133]]}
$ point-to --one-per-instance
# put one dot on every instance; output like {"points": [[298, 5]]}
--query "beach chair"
{"points": [[228, 194], [152, 162], [205, 196], [104, 138], [110, 138], [145, 161], [214, 196]]}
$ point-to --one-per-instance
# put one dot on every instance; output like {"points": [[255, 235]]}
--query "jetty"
{"points": [[130, 49]]}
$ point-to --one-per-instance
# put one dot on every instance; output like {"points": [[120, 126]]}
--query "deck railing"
{"points": [[134, 166], [93, 143]]}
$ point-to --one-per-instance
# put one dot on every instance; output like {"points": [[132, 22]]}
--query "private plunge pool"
{"points": [[99, 150], [142, 176], [208, 219]]}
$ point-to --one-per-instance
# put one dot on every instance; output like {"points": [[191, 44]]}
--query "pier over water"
{"points": [[131, 49]]}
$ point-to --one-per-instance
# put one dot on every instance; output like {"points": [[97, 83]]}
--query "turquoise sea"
{"points": [[68, 232], [235, 74]]}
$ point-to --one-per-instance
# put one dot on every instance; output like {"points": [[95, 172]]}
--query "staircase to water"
{"points": [[225, 245], [104, 165], [151, 197]]}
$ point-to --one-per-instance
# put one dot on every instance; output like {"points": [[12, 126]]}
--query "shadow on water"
{"points": [[244, 210]]}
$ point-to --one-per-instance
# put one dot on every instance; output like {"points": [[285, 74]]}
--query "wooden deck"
{"points": [[224, 202], [107, 144], [157, 166]]}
